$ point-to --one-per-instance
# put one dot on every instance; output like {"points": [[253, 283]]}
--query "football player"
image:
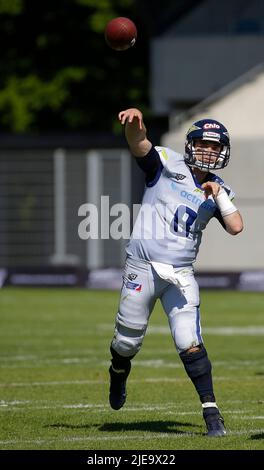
{"points": [[182, 194]]}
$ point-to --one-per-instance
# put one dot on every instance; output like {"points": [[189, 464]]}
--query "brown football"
{"points": [[120, 33]]}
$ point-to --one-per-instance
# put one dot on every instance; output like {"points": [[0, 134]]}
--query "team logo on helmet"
{"points": [[193, 128]]}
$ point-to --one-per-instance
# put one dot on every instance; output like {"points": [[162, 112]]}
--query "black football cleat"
{"points": [[214, 422], [117, 393]]}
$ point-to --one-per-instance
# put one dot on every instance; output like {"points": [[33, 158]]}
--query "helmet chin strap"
{"points": [[204, 170]]}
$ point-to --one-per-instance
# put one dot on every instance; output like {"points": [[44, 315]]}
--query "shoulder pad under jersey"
{"points": [[169, 158]]}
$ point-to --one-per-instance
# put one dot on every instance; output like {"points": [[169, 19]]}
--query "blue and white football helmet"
{"points": [[212, 131]]}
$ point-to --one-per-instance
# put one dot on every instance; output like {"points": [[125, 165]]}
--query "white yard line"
{"points": [[52, 383], [234, 331], [250, 330], [14, 402], [100, 329], [121, 437], [155, 363], [150, 380], [60, 353], [251, 417], [168, 408]]}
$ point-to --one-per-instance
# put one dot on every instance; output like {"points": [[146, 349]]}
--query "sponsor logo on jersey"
{"points": [[211, 125], [179, 176], [132, 276], [205, 204], [194, 199], [133, 286], [191, 198]]}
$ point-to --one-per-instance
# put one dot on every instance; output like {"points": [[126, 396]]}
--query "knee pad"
{"points": [[196, 363], [127, 341]]}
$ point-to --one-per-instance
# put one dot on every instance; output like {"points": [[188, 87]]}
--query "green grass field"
{"points": [[54, 374]]}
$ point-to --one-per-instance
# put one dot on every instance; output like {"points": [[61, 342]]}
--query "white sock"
{"points": [[209, 404]]}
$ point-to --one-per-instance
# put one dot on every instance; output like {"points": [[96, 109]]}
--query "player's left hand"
{"points": [[211, 188]]}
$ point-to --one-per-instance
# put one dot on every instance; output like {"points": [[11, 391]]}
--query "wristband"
{"points": [[224, 204]]}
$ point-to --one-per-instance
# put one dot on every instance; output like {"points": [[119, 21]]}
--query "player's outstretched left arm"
{"points": [[231, 216], [135, 130], [233, 223]]}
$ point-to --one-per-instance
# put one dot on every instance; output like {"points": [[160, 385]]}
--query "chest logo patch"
{"points": [[179, 176]]}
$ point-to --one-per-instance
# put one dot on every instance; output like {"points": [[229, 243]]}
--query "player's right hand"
{"points": [[211, 188], [129, 115]]}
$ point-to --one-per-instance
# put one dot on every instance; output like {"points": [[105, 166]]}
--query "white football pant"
{"points": [[141, 288]]}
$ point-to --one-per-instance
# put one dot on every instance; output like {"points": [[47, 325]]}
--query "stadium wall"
{"points": [[239, 106]]}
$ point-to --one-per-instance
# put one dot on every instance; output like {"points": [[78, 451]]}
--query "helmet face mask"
{"points": [[211, 133]]}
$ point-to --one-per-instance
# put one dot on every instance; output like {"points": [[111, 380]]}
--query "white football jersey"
{"points": [[173, 214]]}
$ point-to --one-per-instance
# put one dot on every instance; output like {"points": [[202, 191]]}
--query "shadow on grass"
{"points": [[256, 437], [150, 426], [168, 427]]}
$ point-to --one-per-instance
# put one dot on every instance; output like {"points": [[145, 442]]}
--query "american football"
{"points": [[120, 33]]}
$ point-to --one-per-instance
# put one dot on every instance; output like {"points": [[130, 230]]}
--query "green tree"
{"points": [[56, 71]]}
